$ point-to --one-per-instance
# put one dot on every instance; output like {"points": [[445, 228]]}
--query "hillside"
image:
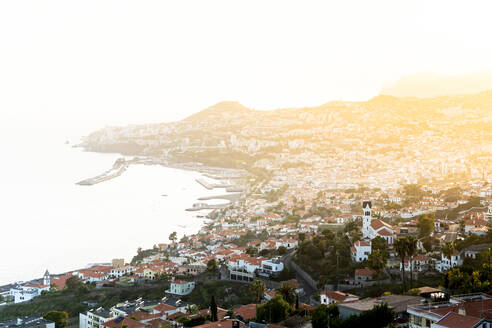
{"points": [[383, 132]]}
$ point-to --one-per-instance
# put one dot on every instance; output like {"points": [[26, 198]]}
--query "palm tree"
{"points": [[401, 250], [448, 251], [411, 250], [258, 288], [288, 292]]}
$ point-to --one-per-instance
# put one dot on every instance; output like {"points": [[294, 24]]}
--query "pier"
{"points": [[204, 206], [119, 166]]}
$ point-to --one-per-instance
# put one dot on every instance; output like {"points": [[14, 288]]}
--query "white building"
{"points": [[95, 318], [361, 250], [24, 293], [375, 228], [121, 271], [271, 268], [332, 297], [445, 264], [181, 287]]}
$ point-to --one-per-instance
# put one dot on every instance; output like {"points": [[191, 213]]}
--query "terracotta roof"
{"points": [[364, 272], [361, 243], [455, 320], [385, 232], [119, 322], [246, 312], [376, 224], [164, 308], [226, 323], [337, 295]]}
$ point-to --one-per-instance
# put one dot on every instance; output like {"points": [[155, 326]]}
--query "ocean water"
{"points": [[49, 222]]}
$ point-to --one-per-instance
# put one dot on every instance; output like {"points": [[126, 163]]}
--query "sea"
{"points": [[48, 222]]}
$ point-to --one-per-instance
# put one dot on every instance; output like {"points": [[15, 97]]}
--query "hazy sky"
{"points": [[92, 63]]}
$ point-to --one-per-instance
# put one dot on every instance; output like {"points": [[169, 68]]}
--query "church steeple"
{"points": [[366, 218], [46, 278]]}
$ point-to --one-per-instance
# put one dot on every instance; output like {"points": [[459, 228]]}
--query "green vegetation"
{"points": [[226, 294], [425, 224], [323, 315], [380, 316], [473, 277], [213, 309], [257, 288], [58, 317], [326, 257], [275, 310], [71, 299]]}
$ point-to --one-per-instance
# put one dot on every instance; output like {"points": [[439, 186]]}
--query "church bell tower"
{"points": [[366, 218]]}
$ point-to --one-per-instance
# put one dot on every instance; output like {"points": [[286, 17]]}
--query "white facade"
{"points": [[361, 251], [181, 287], [95, 318], [27, 292], [121, 271], [271, 267], [445, 264]]}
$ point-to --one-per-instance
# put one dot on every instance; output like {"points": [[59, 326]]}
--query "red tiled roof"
{"points": [[455, 320], [164, 308], [364, 272], [247, 312], [226, 323], [130, 323]]}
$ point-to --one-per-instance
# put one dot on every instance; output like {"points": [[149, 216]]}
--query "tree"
{"points": [[58, 317], [411, 250], [425, 225], [213, 309], [448, 250], [173, 236], [282, 250], [74, 283], [401, 249], [288, 292], [275, 310], [257, 288], [376, 261], [379, 243], [212, 265], [323, 315]]}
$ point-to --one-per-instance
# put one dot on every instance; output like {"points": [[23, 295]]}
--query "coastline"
{"points": [[119, 202]]}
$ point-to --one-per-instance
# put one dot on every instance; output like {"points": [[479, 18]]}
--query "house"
{"points": [[473, 250], [33, 321], [331, 297], [246, 312], [464, 311], [271, 267], [95, 318], [181, 287], [122, 271], [445, 263], [360, 251], [419, 263], [362, 275]]}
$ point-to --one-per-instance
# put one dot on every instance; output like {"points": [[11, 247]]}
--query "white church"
{"points": [[24, 293], [371, 228]]}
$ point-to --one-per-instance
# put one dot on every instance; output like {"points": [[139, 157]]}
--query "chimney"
{"points": [[461, 309]]}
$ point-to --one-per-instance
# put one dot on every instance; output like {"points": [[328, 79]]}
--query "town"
{"points": [[323, 228]]}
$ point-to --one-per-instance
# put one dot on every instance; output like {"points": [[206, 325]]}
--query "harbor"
{"points": [[119, 167]]}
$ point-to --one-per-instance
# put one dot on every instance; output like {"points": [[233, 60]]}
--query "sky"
{"points": [[82, 65]]}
